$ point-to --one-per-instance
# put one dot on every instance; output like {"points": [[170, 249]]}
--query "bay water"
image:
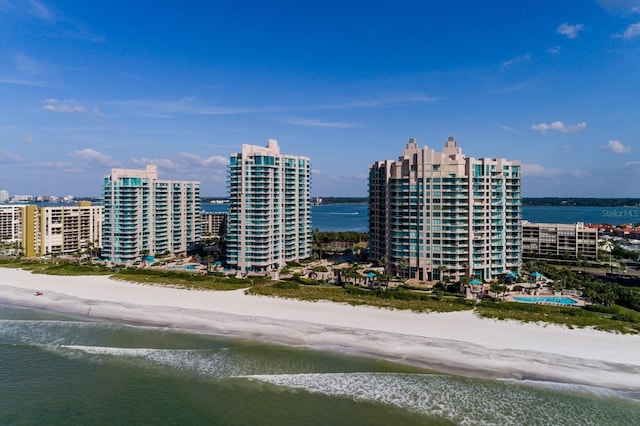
{"points": [[354, 217]]}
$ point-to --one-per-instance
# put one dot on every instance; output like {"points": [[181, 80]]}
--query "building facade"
{"points": [[146, 216], [213, 224], [269, 222], [11, 223], [573, 241], [441, 214], [61, 230]]}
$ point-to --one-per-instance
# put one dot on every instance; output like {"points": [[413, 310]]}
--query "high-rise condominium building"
{"points": [[441, 214], [59, 230], [269, 220], [147, 216]]}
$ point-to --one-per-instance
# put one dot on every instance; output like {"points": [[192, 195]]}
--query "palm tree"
{"points": [[143, 256], [403, 265]]}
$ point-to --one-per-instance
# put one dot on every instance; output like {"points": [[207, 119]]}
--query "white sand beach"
{"points": [[459, 342]]}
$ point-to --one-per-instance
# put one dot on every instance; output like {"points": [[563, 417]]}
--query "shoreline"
{"points": [[457, 343]]}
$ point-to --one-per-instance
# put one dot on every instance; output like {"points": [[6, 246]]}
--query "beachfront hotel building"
{"points": [[573, 241], [442, 214], [60, 230], [269, 221], [146, 216]]}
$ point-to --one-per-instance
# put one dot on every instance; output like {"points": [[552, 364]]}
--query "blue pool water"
{"points": [[547, 299], [185, 267]]}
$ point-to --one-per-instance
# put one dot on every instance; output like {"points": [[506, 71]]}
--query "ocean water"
{"points": [[61, 370], [354, 217]]}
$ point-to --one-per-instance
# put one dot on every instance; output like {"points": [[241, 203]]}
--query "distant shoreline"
{"points": [[526, 201]]}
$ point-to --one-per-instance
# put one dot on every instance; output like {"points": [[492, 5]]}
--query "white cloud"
{"points": [[380, 102], [559, 126], [191, 167], [620, 7], [554, 50], [68, 107], [27, 139], [569, 30], [187, 164], [316, 172], [27, 8], [631, 32], [538, 170], [318, 123], [617, 147], [8, 157], [631, 164], [60, 166], [170, 108], [517, 60], [509, 129], [92, 156]]}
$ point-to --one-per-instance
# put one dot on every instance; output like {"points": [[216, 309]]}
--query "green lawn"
{"points": [[393, 299], [619, 319], [181, 279]]}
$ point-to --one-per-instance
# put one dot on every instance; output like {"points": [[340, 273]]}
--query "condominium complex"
{"points": [[60, 230], [269, 220], [559, 239], [147, 216], [11, 223], [436, 214], [213, 224]]}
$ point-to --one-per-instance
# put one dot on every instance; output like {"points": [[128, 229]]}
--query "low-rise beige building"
{"points": [[560, 239], [213, 224]]}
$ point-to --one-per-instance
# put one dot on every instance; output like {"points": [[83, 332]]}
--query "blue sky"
{"points": [[87, 86]]}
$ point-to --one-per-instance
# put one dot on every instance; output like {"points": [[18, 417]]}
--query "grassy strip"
{"points": [[178, 279], [617, 319], [56, 267], [181, 279], [393, 299]]}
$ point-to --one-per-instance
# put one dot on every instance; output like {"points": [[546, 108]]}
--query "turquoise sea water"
{"points": [[61, 370], [354, 217]]}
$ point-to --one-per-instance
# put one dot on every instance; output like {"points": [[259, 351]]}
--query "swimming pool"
{"points": [[184, 267], [547, 299]]}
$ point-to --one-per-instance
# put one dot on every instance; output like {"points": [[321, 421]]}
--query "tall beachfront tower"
{"points": [[147, 216], [269, 220], [441, 214]]}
